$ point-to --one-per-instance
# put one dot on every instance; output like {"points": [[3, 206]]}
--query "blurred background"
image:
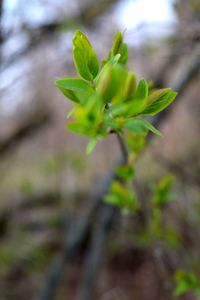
{"points": [[49, 188]]}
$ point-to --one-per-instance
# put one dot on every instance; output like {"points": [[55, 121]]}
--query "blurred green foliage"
{"points": [[186, 281]]}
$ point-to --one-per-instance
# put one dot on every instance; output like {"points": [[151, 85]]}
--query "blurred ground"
{"points": [[45, 176]]}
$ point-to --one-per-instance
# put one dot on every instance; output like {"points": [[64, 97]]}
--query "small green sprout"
{"points": [[108, 99]]}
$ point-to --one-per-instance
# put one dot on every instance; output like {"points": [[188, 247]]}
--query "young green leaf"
{"points": [[85, 58], [119, 47], [110, 82], [75, 89], [140, 126], [197, 290], [162, 191], [139, 100], [122, 196], [69, 94], [124, 54], [118, 40], [130, 85], [75, 128], [186, 281], [136, 125], [159, 100], [106, 64], [125, 172], [151, 128], [135, 104], [135, 142], [142, 91], [90, 146], [112, 123]]}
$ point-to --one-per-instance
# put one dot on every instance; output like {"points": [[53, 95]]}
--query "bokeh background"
{"points": [[47, 183]]}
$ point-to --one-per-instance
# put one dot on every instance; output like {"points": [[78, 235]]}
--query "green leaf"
{"points": [[106, 64], [69, 94], [121, 196], [140, 126], [125, 172], [114, 60], [139, 100], [119, 47], [185, 281], [130, 85], [159, 100], [75, 128], [85, 58], [124, 54], [74, 84], [162, 191], [142, 91], [75, 89], [172, 237], [151, 128], [118, 40], [136, 125], [134, 105], [70, 113], [110, 82], [197, 290], [88, 118], [135, 142], [112, 123], [119, 110], [90, 146], [182, 288]]}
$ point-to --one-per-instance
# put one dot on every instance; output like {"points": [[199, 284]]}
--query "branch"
{"points": [[27, 127], [104, 221], [73, 241], [95, 252], [85, 16], [182, 83], [122, 146]]}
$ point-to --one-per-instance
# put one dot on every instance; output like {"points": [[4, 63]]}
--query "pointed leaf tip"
{"points": [[159, 100], [90, 146], [85, 58]]}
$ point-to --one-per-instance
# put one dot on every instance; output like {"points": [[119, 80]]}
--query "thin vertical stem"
{"points": [[123, 148]]}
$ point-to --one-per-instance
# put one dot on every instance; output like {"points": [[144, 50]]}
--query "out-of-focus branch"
{"points": [[182, 83], [94, 254], [95, 9], [74, 239], [122, 147], [30, 125], [86, 16], [103, 225], [179, 169], [184, 41]]}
